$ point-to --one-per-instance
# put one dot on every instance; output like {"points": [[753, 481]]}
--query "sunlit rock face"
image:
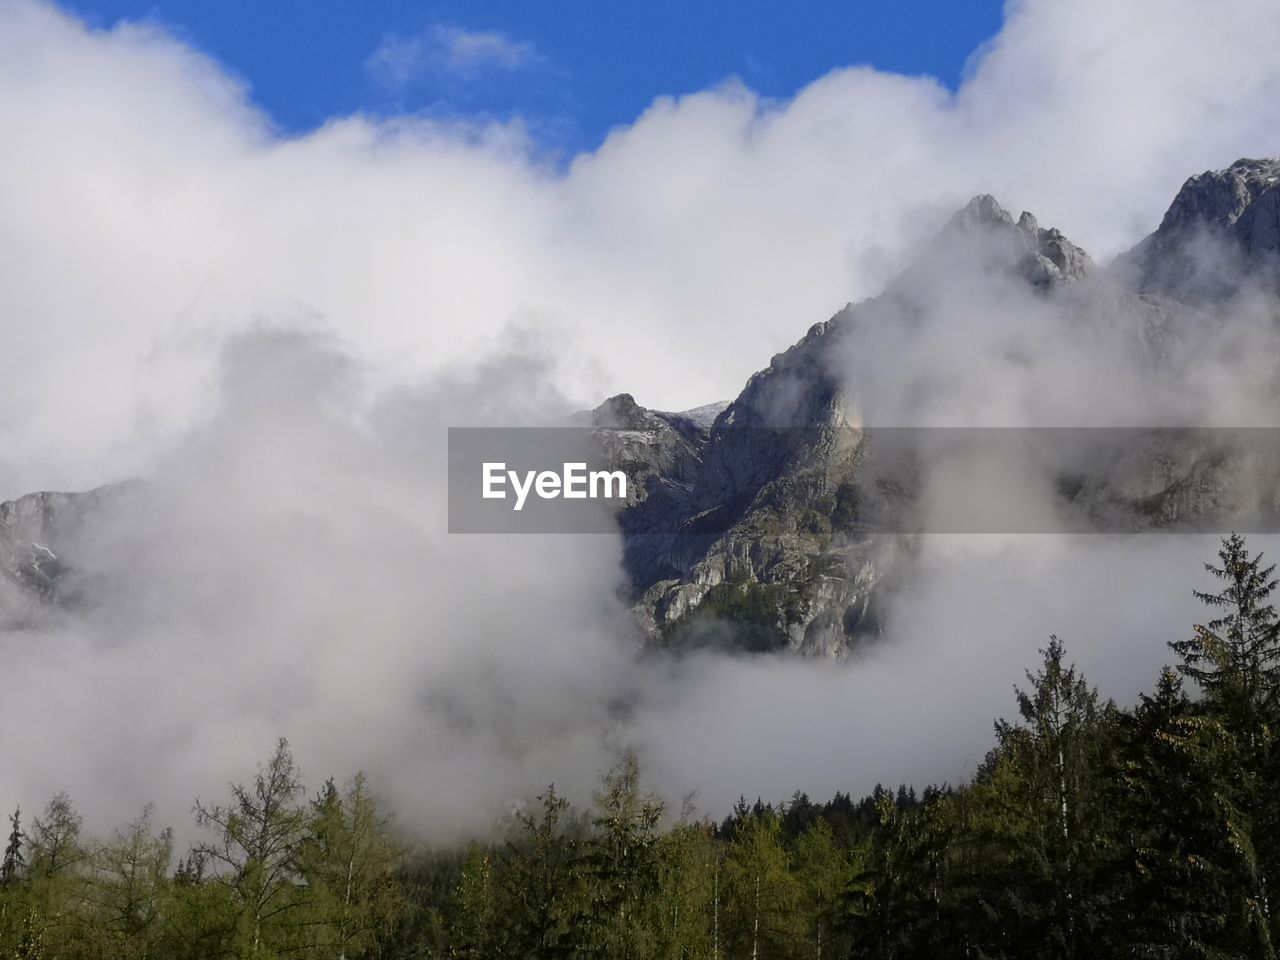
{"points": [[773, 550], [766, 523], [1220, 236]]}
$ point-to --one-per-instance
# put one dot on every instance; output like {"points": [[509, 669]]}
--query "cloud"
{"points": [[692, 245], [445, 50], [918, 707], [284, 569]]}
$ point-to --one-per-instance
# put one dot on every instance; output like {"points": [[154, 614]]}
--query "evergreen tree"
{"points": [[621, 862], [13, 862], [14, 905], [1173, 873], [894, 906], [1235, 660], [56, 860], [824, 871], [541, 885], [54, 846], [1056, 756], [471, 919]]}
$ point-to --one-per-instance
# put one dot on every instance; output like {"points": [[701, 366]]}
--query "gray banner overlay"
{"points": [[865, 480]]}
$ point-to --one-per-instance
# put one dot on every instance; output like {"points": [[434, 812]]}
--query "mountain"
{"points": [[753, 539], [784, 519], [1222, 229], [760, 537], [33, 532]]}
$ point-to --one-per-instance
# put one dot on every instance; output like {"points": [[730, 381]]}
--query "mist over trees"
{"points": [[1090, 830]]}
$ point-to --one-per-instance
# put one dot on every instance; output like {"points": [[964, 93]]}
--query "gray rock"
{"points": [[1221, 233], [36, 533], [758, 523], [773, 497], [984, 231]]}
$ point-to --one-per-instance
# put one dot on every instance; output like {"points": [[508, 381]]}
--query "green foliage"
{"points": [[1088, 832], [621, 863], [542, 886], [253, 856], [13, 862], [348, 859], [125, 898], [762, 894], [823, 868], [1171, 882], [759, 604], [1235, 658], [686, 906]]}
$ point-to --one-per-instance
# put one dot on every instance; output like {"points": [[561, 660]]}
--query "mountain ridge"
{"points": [[742, 522], [782, 565]]}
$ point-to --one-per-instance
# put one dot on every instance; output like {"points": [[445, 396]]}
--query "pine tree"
{"points": [[1055, 756], [685, 908], [14, 900], [541, 883], [13, 862], [897, 904], [621, 861], [54, 841], [1235, 660], [471, 917], [1174, 873], [824, 870], [56, 874]]}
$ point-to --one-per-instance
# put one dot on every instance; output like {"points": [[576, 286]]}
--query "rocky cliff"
{"points": [[35, 531], [768, 522], [757, 534]]}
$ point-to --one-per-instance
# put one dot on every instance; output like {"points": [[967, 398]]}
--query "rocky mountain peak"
{"points": [[33, 529], [756, 513], [621, 412], [985, 232], [983, 212], [1223, 226], [1221, 197]]}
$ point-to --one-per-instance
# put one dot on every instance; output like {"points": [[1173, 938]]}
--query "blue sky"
{"points": [[574, 68]]}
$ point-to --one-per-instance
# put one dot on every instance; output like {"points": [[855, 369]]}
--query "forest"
{"points": [[1090, 830]]}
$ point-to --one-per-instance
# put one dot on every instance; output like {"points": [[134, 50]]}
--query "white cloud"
{"points": [[447, 50], [147, 210], [149, 218]]}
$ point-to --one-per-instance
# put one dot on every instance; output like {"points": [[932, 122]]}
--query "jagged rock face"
{"points": [[770, 542], [746, 521], [1184, 480], [756, 544], [33, 532], [1043, 258], [666, 446], [983, 239], [662, 454], [1222, 231]]}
